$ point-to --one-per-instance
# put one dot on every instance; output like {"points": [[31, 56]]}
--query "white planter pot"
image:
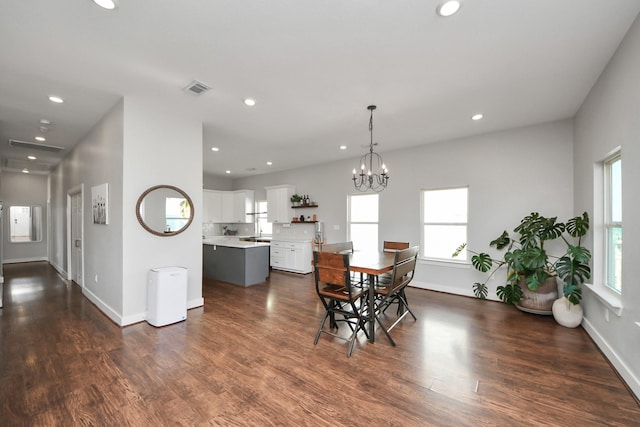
{"points": [[567, 314]]}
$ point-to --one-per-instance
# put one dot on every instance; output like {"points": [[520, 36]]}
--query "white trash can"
{"points": [[166, 295]]}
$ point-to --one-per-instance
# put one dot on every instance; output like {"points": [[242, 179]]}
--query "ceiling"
{"points": [[312, 66]]}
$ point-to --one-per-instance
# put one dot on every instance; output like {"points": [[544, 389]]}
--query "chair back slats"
{"points": [[331, 268], [404, 266], [394, 246], [337, 248]]}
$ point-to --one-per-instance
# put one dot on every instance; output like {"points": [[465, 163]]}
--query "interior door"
{"points": [[76, 238]]}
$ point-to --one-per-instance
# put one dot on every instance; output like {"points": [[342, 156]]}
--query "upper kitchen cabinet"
{"points": [[212, 206], [228, 206], [243, 205], [279, 203]]}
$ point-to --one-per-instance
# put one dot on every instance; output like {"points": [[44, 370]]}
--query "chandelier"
{"points": [[373, 173]]}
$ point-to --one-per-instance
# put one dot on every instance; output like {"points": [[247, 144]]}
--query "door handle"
{"points": [[77, 243]]}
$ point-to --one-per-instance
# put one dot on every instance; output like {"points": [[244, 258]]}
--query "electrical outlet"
{"points": [[336, 227]]}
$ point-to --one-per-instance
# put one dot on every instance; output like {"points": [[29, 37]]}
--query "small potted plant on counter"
{"points": [[296, 199]]}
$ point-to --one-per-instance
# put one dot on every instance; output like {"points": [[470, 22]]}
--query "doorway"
{"points": [[75, 236]]}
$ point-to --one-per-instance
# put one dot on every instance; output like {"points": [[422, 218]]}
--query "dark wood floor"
{"points": [[247, 359]]}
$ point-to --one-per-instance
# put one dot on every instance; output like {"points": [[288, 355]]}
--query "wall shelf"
{"points": [[303, 222], [304, 206]]}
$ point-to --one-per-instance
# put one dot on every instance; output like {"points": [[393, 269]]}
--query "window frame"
{"points": [[608, 223], [260, 219], [423, 240]]}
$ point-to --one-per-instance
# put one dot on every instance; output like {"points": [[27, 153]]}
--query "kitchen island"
{"points": [[234, 261]]}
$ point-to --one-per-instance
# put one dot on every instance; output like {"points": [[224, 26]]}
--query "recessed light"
{"points": [[56, 99], [41, 138], [106, 4], [25, 170], [448, 8], [477, 116], [227, 171], [45, 122], [215, 149], [343, 147], [31, 157], [250, 102], [269, 163]]}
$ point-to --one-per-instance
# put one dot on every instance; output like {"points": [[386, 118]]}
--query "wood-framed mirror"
{"points": [[164, 210]]}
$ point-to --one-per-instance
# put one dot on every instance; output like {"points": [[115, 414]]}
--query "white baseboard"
{"points": [[632, 381], [442, 288], [19, 260], [141, 317], [59, 269], [104, 307]]}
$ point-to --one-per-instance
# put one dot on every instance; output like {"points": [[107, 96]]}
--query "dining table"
{"points": [[372, 264]]}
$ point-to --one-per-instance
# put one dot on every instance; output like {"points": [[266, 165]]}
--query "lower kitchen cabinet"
{"points": [[291, 256]]}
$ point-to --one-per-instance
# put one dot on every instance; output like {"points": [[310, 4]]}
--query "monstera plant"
{"points": [[527, 261]]}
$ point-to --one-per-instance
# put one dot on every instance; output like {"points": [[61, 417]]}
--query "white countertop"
{"points": [[276, 239], [232, 242]]}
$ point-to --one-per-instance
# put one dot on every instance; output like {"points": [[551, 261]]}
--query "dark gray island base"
{"points": [[245, 264]]}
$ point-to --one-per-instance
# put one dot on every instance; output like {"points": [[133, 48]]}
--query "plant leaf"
{"points": [[509, 294], [459, 249], [578, 226], [480, 290], [501, 242], [482, 262]]}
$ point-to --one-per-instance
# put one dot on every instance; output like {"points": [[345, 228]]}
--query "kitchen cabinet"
{"points": [[228, 206], [243, 205], [279, 203], [232, 261], [291, 256], [212, 206]]}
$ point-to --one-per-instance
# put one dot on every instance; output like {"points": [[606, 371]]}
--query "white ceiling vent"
{"points": [[196, 88], [35, 146]]}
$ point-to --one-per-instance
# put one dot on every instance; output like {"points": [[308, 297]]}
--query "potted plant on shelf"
{"points": [[296, 199], [529, 266]]}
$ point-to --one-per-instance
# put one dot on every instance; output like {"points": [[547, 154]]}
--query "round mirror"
{"points": [[164, 210]]}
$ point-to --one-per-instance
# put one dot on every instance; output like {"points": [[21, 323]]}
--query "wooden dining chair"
{"points": [[394, 246], [391, 290], [344, 248], [343, 302]]}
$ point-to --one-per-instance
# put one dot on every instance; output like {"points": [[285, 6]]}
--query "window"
{"points": [[363, 221], [177, 213], [444, 223], [25, 223], [263, 227], [613, 222]]}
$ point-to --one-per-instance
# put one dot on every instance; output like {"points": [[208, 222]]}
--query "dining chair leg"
{"points": [[324, 319], [386, 332]]}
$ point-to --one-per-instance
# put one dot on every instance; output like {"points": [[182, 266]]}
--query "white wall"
{"points": [[20, 189], [131, 155], [153, 137], [610, 118], [509, 174], [96, 160], [214, 182]]}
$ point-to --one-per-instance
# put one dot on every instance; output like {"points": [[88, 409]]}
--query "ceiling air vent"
{"points": [[35, 146], [196, 88]]}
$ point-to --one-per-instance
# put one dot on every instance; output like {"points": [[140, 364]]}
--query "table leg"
{"points": [[372, 308]]}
